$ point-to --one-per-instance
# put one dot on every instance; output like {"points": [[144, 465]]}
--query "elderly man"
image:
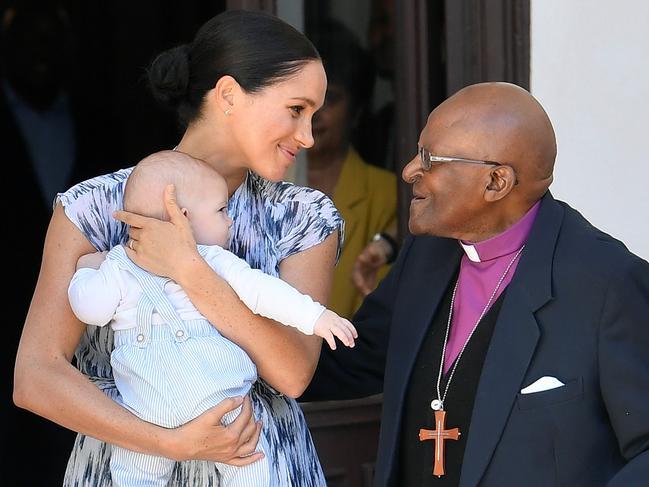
{"points": [[511, 337]]}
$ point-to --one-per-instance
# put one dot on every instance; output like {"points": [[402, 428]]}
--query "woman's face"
{"points": [[271, 126]]}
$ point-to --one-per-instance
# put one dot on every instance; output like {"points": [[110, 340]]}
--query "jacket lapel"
{"points": [[513, 342]]}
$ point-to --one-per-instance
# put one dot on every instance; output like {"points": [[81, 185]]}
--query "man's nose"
{"points": [[412, 170]]}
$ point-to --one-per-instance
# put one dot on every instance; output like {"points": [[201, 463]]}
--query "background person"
{"points": [[365, 195], [50, 137]]}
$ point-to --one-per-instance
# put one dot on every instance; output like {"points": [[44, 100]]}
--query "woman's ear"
{"points": [[225, 94], [502, 180]]}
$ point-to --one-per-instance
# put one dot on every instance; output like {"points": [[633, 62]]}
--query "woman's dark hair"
{"points": [[255, 48]]}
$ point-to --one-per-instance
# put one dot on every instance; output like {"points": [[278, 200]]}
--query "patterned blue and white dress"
{"points": [[271, 222]]}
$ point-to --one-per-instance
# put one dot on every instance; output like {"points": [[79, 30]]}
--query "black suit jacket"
{"points": [[26, 435], [576, 309]]}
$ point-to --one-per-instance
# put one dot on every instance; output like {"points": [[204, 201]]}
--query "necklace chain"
{"points": [[441, 397]]}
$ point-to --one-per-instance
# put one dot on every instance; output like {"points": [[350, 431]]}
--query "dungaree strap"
{"points": [[152, 289], [144, 313]]}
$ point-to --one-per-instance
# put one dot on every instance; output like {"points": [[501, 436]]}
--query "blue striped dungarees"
{"points": [[170, 373]]}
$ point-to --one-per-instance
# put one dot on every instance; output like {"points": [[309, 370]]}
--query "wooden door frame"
{"points": [[487, 40], [412, 53]]}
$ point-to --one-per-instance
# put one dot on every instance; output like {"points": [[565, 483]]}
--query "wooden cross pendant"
{"points": [[439, 434]]}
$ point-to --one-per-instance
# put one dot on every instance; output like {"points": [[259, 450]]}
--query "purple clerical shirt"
{"points": [[481, 267]]}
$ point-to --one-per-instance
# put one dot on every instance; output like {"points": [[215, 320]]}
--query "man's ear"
{"points": [[502, 180]]}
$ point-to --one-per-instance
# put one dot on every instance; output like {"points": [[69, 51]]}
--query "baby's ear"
{"points": [[184, 211]]}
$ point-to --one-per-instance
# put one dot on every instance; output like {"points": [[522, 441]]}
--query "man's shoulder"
{"points": [[585, 249], [581, 237]]}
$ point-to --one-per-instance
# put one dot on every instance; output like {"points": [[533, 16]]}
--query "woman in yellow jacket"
{"points": [[365, 195]]}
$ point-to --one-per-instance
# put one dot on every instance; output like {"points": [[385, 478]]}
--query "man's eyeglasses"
{"points": [[428, 160]]}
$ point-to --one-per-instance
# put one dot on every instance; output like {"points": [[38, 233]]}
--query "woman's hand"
{"points": [[165, 248], [205, 437]]}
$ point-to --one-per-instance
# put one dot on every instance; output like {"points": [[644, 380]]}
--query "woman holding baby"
{"points": [[246, 89]]}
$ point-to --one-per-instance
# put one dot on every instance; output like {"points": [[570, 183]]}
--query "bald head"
{"points": [[145, 186], [500, 122]]}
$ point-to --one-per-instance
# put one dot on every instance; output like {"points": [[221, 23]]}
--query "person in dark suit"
{"points": [[51, 138], [511, 337]]}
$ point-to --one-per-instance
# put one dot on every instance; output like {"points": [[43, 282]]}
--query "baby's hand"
{"points": [[92, 261], [330, 324]]}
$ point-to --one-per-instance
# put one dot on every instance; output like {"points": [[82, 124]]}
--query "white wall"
{"points": [[590, 70]]}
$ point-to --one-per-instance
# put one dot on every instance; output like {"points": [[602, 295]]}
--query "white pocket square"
{"points": [[543, 384]]}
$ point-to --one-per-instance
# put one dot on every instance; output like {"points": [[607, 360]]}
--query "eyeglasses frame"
{"points": [[427, 162]]}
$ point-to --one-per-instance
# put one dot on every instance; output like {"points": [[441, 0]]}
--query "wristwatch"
{"points": [[394, 246]]}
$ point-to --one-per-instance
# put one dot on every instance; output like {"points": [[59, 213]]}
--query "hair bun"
{"points": [[169, 76]]}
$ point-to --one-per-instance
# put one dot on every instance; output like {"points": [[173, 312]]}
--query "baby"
{"points": [[169, 363]]}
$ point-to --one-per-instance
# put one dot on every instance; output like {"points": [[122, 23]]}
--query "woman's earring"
{"points": [[228, 112]]}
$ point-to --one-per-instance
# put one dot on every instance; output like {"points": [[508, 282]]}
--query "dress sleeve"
{"points": [[308, 219], [90, 206]]}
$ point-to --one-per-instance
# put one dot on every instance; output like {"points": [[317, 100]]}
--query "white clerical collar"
{"points": [[504, 243], [471, 252]]}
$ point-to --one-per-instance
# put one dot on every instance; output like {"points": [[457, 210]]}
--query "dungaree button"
{"points": [[180, 333], [140, 338]]}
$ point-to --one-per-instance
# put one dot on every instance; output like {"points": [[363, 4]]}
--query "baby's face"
{"points": [[207, 211]]}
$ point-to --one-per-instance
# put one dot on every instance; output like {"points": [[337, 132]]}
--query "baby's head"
{"points": [[201, 192]]}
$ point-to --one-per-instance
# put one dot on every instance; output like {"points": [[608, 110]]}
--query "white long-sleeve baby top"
{"points": [[111, 293]]}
